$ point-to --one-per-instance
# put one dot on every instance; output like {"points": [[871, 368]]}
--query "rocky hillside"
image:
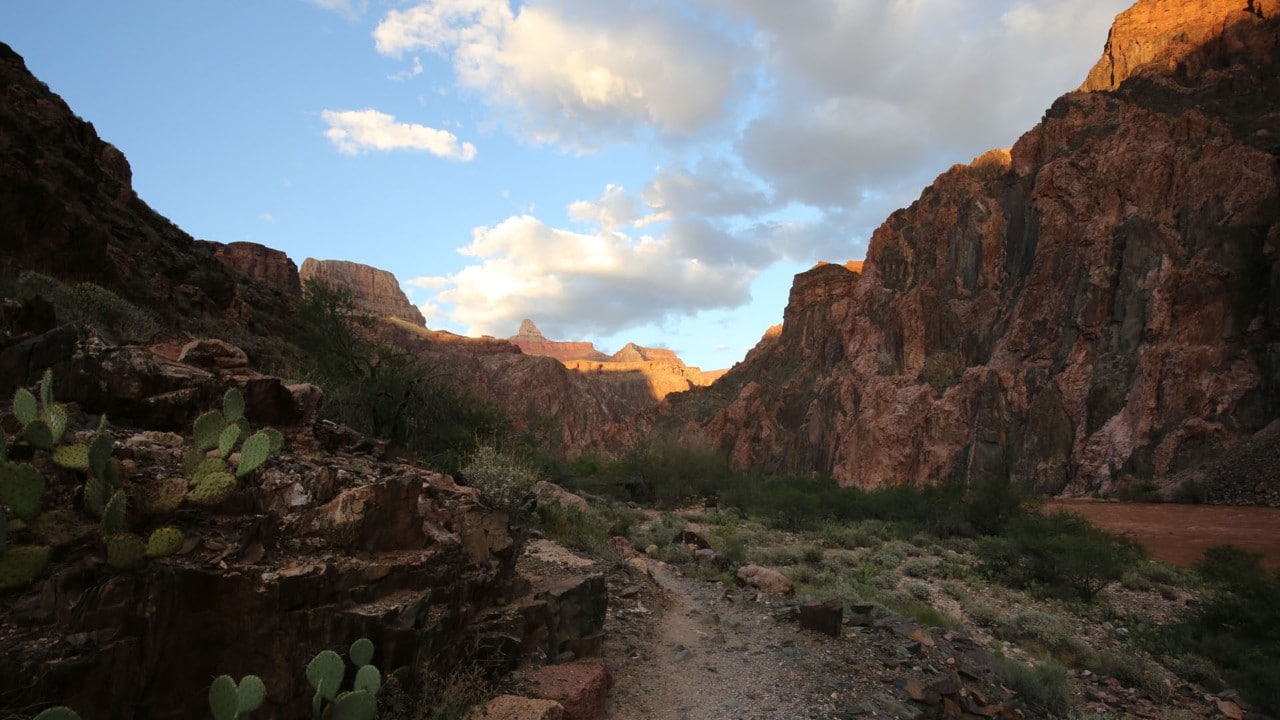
{"points": [[1099, 305], [68, 209]]}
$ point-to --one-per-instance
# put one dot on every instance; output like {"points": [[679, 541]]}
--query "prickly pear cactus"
{"points": [[228, 439], [73, 457], [325, 672], [357, 705], [21, 564], [368, 679], [250, 694], [21, 488], [208, 467], [56, 417], [277, 438], [232, 405], [4, 531], [125, 550], [207, 429], [38, 434], [222, 698], [25, 407], [164, 542], [113, 516], [361, 652], [254, 453], [213, 489], [100, 454], [96, 495]]}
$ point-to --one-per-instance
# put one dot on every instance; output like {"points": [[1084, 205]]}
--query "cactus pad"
{"points": [[25, 407], [222, 698], [227, 440], [21, 488], [254, 453], [61, 712], [46, 388], [96, 496], [56, 417], [358, 705], [250, 693], [99, 454], [208, 467], [207, 429], [38, 434], [125, 550], [232, 405], [22, 564], [113, 517], [213, 489], [277, 438], [325, 672], [361, 652], [115, 473], [164, 542], [73, 457], [368, 679], [4, 531]]}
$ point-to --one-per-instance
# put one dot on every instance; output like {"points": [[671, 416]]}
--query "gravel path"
{"points": [[710, 655]]}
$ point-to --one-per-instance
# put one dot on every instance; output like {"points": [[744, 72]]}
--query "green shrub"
{"points": [[1043, 687], [916, 567], [92, 305], [573, 528], [1133, 671], [1061, 552], [919, 591], [503, 482]]}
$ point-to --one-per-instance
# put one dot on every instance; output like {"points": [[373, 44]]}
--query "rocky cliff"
{"points": [[68, 210], [266, 265], [1099, 305], [641, 375], [376, 290]]}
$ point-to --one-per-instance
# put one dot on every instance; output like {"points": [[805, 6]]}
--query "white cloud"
{"points": [[611, 210], [408, 73], [358, 131], [581, 283], [267, 217], [579, 71], [351, 9], [714, 188]]}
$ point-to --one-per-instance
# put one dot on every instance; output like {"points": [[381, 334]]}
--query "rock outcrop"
{"points": [[377, 291], [644, 375], [329, 541], [1100, 303], [531, 341], [266, 265], [68, 210]]}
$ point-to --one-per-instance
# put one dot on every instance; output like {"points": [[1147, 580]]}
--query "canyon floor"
{"points": [[686, 642]]}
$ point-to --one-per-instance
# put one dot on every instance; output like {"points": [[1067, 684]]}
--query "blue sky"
{"points": [[651, 171]]}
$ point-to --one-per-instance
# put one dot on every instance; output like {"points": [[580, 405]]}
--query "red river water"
{"points": [[1179, 534]]}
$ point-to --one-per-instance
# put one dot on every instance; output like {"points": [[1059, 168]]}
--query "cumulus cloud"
{"points": [[715, 187], [358, 131], [870, 92], [581, 283], [408, 73], [579, 71], [614, 209]]}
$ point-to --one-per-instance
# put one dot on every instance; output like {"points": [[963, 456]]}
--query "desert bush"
{"points": [[504, 483], [916, 567], [1043, 687], [89, 304], [1236, 625], [919, 591], [1060, 551], [1133, 671], [578, 530], [981, 615]]}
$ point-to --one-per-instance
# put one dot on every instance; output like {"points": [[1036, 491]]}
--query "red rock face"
{"points": [[377, 290], [531, 341], [68, 210], [1099, 304], [266, 265]]}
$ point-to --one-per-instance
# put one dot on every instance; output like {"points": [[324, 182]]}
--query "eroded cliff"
{"points": [[1099, 305]]}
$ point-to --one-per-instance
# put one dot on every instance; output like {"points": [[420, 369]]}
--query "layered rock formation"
{"points": [[531, 341], [266, 265], [67, 209], [376, 290], [1099, 304], [641, 375]]}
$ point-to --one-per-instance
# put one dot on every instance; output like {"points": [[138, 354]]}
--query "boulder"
{"points": [[824, 617], [212, 354], [582, 687], [766, 579], [548, 493]]}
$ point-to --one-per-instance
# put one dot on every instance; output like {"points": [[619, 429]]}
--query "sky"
{"points": [[648, 171]]}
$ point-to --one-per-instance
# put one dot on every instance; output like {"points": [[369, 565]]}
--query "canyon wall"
{"points": [[1099, 305], [377, 291]]}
